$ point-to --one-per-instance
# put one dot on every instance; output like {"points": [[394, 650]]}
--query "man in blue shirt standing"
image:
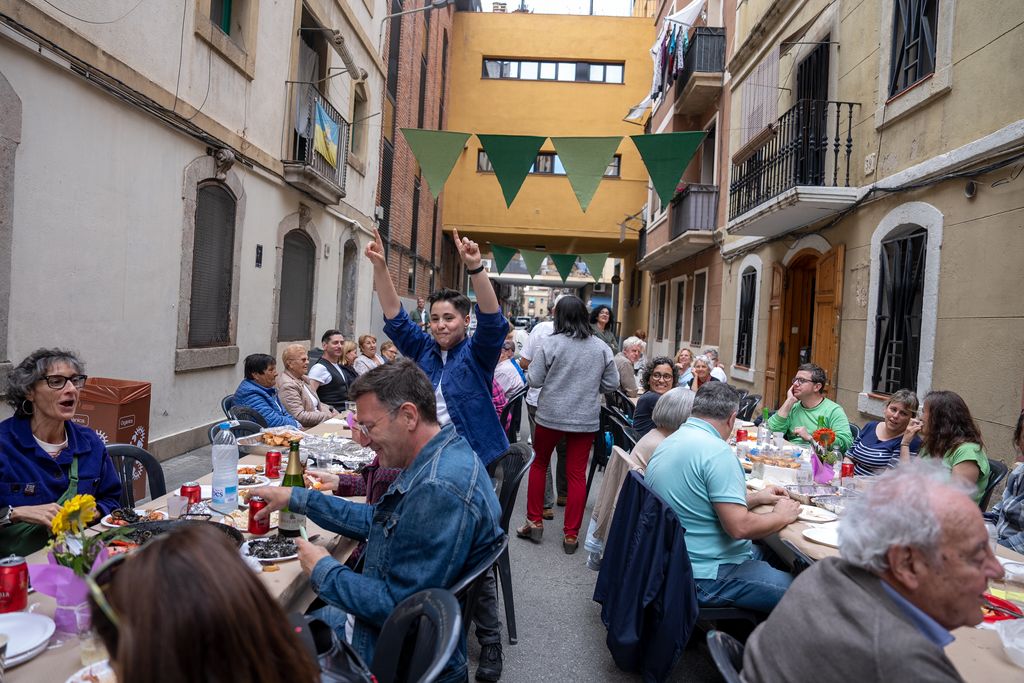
{"points": [[439, 519], [696, 473]]}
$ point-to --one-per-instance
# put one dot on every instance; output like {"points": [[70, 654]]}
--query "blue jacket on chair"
{"points": [[265, 402], [645, 587]]}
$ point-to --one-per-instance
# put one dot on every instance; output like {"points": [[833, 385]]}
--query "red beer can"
{"points": [[13, 584], [847, 470], [192, 491], [257, 526], [741, 435], [273, 464]]}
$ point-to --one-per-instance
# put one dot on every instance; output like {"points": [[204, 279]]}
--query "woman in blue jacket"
{"points": [[258, 391], [461, 368]]}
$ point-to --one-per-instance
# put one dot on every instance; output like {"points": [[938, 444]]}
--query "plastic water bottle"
{"points": [[225, 471], [764, 434]]}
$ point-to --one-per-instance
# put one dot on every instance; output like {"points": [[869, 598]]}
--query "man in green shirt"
{"points": [[805, 403]]}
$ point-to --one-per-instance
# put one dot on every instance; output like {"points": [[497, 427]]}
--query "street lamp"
{"points": [[435, 4]]}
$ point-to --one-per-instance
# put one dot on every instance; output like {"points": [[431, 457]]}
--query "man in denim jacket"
{"points": [[439, 519]]}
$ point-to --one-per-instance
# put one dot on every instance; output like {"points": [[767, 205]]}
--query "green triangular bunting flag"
{"points": [[564, 264], [585, 161], [595, 264], [666, 156], [511, 157], [436, 151], [502, 255], [533, 261]]}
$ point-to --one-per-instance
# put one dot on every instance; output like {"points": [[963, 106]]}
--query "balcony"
{"points": [[690, 228], [700, 80], [800, 175], [308, 169]]}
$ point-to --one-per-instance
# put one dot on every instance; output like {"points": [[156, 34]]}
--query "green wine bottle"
{"points": [[291, 523]]}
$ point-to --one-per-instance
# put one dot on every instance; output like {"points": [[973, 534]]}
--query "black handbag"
{"points": [[337, 659]]}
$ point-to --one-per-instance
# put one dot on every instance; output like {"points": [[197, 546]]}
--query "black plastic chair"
{"points": [[239, 428], [225, 405], [127, 459], [758, 419], [467, 589], [511, 469], [418, 638], [998, 472], [748, 404], [855, 430], [514, 407], [727, 654], [619, 402], [247, 413]]}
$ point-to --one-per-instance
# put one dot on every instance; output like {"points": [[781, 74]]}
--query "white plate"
{"points": [[825, 535], [756, 484], [245, 552], [240, 520], [260, 481], [809, 513], [100, 671], [27, 635], [107, 521], [257, 474]]}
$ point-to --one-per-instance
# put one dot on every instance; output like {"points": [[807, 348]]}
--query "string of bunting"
{"points": [[533, 260], [666, 156]]}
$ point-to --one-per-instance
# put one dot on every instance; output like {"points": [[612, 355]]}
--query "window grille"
{"points": [[662, 295], [898, 316], [745, 332], [913, 43], [680, 312], [212, 265], [295, 310], [697, 325]]}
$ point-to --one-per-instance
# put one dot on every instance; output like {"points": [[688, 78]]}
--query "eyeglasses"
{"points": [[58, 381], [801, 381], [366, 428], [662, 376]]}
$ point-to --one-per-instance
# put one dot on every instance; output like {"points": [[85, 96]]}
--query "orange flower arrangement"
{"points": [[823, 438]]}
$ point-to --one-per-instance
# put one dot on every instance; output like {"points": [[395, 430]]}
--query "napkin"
{"points": [[1011, 632]]}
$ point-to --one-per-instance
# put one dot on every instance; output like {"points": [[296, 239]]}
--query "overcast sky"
{"points": [[601, 7]]}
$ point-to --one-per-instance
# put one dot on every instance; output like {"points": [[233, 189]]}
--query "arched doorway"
{"points": [[295, 308], [804, 318], [347, 296]]}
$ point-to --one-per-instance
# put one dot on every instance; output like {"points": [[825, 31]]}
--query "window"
{"points": [[547, 163], [662, 295], [578, 72], [680, 313], [415, 236], [444, 79], [360, 114], [423, 93], [745, 330], [394, 46], [700, 282], [220, 15], [898, 312], [209, 321], [913, 43], [760, 97], [295, 308]]}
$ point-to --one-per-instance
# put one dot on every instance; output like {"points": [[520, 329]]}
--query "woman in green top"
{"points": [[603, 324], [949, 432]]}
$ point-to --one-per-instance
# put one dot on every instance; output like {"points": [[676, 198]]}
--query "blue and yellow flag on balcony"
{"points": [[325, 137]]}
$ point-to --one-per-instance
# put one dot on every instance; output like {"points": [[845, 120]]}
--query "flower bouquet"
{"points": [[72, 556], [825, 458]]}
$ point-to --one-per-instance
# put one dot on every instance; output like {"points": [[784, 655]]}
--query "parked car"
{"points": [[522, 322]]}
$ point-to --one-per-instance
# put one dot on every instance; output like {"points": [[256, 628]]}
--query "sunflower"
{"points": [[74, 515]]}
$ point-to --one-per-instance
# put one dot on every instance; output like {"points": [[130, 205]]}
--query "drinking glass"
{"points": [[89, 645], [176, 505]]}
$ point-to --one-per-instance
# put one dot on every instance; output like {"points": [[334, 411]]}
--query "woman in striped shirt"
{"points": [[880, 444]]}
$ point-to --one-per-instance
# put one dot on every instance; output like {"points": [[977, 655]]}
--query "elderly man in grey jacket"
{"points": [[915, 560]]}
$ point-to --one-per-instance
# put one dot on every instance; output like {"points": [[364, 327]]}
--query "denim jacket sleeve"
{"points": [[410, 339], [485, 344], [332, 513], [428, 547]]}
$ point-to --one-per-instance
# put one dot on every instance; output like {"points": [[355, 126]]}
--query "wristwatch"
{"points": [[5, 515]]}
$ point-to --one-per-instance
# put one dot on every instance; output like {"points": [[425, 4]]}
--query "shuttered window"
{"points": [[295, 311], [700, 282], [745, 332], [898, 314], [209, 321], [760, 97]]}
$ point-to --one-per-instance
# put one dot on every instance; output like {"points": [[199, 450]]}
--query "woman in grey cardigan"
{"points": [[573, 369]]}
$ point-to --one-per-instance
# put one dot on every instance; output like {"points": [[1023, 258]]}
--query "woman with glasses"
{"points": [[205, 615], [45, 457], [659, 378], [572, 368]]}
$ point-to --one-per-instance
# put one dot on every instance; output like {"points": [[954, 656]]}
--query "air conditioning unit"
{"points": [[600, 288]]}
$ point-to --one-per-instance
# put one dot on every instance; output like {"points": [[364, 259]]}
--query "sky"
{"points": [[601, 7]]}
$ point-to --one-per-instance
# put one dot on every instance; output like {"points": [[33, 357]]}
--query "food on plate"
{"points": [[123, 516], [249, 481], [240, 519], [271, 568], [250, 469], [272, 548], [281, 438]]}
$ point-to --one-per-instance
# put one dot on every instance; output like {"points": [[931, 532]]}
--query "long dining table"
{"points": [[288, 584]]}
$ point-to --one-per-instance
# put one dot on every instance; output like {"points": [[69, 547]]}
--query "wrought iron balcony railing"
{"points": [[810, 145], [309, 104], [705, 54], [697, 209]]}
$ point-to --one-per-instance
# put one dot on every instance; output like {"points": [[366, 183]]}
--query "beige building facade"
{"points": [[164, 208], [875, 206]]}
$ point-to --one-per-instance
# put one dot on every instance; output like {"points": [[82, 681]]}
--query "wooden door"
{"points": [[773, 349], [828, 307]]}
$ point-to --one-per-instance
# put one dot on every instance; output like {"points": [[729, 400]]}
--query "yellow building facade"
{"points": [[498, 67]]}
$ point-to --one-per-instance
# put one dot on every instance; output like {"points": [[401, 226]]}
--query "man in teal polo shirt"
{"points": [[696, 473], [805, 403]]}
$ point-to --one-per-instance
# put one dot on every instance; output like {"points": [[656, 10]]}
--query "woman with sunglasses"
{"points": [[198, 591], [45, 457]]}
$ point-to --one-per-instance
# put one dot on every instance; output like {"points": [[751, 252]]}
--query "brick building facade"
{"points": [[417, 51]]}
